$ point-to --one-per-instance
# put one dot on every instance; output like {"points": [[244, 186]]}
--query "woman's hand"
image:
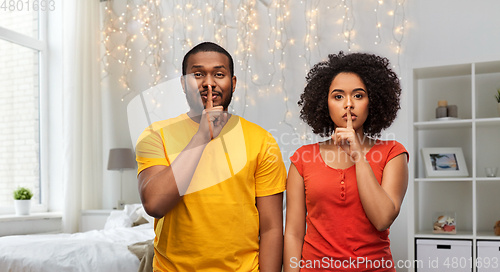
{"points": [[347, 140]]}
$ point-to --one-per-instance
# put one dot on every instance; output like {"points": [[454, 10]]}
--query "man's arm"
{"points": [[271, 232], [160, 189]]}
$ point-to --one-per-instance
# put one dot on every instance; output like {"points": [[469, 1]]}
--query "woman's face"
{"points": [[348, 91]]}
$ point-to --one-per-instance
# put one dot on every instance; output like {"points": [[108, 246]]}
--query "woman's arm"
{"points": [[382, 203], [295, 227]]}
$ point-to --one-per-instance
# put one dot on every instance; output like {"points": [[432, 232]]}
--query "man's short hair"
{"points": [[207, 47]]}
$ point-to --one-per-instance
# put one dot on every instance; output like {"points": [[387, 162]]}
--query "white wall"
{"points": [[450, 31]]}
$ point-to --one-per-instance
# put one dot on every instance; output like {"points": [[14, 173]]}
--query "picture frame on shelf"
{"points": [[444, 162]]}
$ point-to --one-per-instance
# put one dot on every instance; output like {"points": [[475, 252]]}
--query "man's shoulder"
{"points": [[253, 128], [156, 127], [173, 120], [167, 122]]}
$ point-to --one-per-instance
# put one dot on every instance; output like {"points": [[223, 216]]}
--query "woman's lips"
{"points": [[353, 116]]}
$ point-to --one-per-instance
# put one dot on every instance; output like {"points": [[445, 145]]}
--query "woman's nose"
{"points": [[348, 103]]}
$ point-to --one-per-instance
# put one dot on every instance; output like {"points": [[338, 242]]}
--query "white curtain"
{"points": [[82, 129]]}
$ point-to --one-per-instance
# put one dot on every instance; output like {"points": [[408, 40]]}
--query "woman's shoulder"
{"points": [[304, 151], [388, 143], [391, 148], [307, 148]]}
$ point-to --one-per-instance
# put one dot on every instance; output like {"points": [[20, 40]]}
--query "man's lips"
{"points": [[214, 95]]}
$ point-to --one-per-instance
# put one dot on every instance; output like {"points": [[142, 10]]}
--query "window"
{"points": [[22, 101]]}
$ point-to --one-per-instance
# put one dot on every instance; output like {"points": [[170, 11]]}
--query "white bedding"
{"points": [[93, 251]]}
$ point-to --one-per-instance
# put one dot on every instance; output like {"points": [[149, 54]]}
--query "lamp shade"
{"points": [[120, 159]]}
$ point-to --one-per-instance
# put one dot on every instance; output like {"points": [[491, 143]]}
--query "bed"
{"points": [[121, 246]]}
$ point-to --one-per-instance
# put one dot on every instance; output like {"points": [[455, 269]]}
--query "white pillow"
{"points": [[142, 213], [122, 218]]}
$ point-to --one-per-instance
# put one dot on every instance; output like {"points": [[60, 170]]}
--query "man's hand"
{"points": [[213, 119]]}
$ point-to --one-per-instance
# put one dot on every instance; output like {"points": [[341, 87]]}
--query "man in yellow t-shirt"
{"points": [[213, 181]]}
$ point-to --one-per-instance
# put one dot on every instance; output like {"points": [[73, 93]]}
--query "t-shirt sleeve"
{"points": [[296, 159], [397, 149], [270, 175], [150, 149]]}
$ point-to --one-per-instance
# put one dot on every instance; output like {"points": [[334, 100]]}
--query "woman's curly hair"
{"points": [[381, 82]]}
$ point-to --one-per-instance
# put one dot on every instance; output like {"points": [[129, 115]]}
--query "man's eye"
{"points": [[219, 74], [197, 74]]}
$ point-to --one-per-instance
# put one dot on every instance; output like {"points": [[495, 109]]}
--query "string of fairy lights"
{"points": [[282, 42], [378, 37], [398, 29], [246, 26], [156, 34], [348, 23], [151, 16]]}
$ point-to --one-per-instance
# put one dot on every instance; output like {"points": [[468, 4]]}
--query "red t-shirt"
{"points": [[339, 236]]}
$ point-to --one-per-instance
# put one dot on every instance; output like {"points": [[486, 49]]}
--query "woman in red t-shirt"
{"points": [[349, 188]]}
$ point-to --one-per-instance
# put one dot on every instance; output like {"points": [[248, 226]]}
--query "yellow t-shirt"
{"points": [[215, 226]]}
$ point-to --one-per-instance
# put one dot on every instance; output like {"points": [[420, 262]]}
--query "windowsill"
{"points": [[36, 222], [33, 216]]}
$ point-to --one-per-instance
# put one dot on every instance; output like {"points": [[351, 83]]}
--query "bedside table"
{"points": [[93, 219]]}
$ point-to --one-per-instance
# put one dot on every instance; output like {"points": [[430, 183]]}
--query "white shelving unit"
{"points": [[470, 86]]}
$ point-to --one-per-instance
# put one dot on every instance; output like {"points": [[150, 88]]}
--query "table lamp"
{"points": [[121, 159]]}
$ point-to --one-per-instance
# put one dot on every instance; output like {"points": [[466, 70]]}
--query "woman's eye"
{"points": [[358, 96], [338, 96]]}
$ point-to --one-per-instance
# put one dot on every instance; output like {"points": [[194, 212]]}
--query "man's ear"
{"points": [[234, 83], [183, 84]]}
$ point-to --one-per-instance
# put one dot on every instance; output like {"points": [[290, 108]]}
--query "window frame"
{"points": [[41, 45]]}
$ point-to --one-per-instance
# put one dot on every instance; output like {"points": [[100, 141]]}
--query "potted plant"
{"points": [[22, 200], [498, 101]]}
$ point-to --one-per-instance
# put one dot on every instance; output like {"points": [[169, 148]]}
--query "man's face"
{"points": [[204, 69]]}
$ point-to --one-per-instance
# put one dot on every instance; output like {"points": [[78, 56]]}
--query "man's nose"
{"points": [[208, 80]]}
